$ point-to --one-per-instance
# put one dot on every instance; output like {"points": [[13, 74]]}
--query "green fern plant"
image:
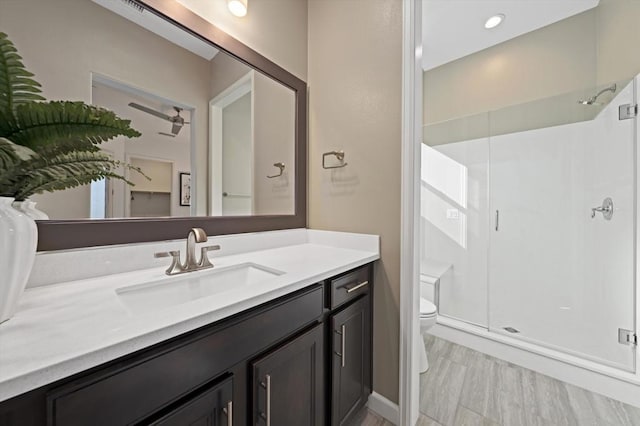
{"points": [[48, 146]]}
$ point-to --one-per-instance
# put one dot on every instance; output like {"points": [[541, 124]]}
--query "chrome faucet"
{"points": [[195, 236]]}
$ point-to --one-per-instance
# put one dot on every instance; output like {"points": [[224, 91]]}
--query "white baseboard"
{"points": [[384, 407]]}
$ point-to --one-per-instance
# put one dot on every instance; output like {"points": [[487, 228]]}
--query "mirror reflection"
{"points": [[217, 137]]}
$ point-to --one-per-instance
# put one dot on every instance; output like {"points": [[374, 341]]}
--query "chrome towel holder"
{"points": [[281, 167], [339, 155]]}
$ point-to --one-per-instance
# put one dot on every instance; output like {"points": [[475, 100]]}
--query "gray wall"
{"points": [[618, 26], [276, 29], [355, 89]]}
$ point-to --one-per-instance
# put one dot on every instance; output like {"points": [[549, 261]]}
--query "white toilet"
{"points": [[427, 320], [433, 274]]}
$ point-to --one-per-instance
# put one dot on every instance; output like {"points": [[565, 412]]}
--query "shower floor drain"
{"points": [[511, 329]]}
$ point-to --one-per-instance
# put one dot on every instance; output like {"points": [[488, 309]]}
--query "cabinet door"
{"points": [[288, 383], [351, 360], [213, 407]]}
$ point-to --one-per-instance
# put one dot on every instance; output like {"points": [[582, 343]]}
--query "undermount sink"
{"points": [[158, 294]]}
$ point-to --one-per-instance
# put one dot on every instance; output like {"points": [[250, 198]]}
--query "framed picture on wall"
{"points": [[185, 189]]}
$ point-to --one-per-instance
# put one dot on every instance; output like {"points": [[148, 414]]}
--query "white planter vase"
{"points": [[29, 208], [18, 243]]}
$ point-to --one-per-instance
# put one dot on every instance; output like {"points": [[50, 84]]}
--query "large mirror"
{"points": [[221, 130]]}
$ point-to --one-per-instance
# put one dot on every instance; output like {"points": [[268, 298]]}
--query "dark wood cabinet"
{"points": [[138, 386], [288, 383], [303, 359], [212, 407], [351, 360]]}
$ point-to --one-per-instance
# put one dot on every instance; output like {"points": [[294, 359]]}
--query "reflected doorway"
{"points": [[232, 149]]}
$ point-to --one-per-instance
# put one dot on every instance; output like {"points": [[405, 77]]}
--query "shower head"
{"points": [[592, 100]]}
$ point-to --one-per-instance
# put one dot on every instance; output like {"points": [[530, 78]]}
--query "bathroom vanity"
{"points": [[292, 350]]}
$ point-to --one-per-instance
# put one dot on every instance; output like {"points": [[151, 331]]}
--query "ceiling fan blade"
{"points": [[167, 134], [150, 111]]}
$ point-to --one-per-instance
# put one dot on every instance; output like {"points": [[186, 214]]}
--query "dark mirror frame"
{"points": [[69, 234]]}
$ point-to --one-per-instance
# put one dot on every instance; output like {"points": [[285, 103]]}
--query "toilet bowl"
{"points": [[433, 274], [427, 320]]}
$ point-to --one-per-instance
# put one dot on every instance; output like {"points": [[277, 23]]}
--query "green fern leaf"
{"points": [[65, 182], [64, 171], [16, 85], [8, 156], [11, 156], [61, 127]]}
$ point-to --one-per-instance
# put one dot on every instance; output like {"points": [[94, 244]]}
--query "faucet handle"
{"points": [[204, 259], [175, 267], [166, 254]]}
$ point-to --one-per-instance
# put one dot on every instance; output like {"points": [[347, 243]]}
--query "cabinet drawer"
{"points": [[350, 285], [148, 383]]}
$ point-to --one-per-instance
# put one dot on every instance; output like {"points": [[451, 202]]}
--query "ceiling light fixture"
{"points": [[238, 7], [494, 21]]}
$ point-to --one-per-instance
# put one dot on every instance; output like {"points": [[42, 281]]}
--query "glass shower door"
{"points": [[561, 274], [455, 215]]}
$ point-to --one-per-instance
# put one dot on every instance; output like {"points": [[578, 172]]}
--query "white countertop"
{"points": [[62, 329]]}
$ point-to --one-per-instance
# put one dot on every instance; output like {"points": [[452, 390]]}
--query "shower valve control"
{"points": [[606, 209]]}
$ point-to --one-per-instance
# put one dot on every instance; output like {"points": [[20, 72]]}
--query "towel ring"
{"points": [[339, 155], [281, 167]]}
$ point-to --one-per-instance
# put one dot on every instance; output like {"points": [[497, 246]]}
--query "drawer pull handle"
{"points": [[356, 287], [228, 411], [267, 412]]}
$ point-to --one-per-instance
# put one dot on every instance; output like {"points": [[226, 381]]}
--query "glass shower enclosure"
{"points": [[534, 208]]}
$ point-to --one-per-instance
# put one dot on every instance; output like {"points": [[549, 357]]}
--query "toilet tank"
{"points": [[434, 274]]}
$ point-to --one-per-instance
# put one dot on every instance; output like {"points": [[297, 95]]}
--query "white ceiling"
{"points": [[453, 29]]}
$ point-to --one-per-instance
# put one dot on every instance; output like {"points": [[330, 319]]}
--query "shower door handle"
{"points": [[606, 209]]}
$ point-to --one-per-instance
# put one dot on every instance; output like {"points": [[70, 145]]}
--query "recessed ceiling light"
{"points": [[237, 7], [494, 21]]}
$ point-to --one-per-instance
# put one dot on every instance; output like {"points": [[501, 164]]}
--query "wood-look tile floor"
{"points": [[464, 387]]}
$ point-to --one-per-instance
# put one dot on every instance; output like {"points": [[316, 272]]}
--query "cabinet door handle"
{"points": [[267, 412], [356, 287], [343, 343], [228, 411]]}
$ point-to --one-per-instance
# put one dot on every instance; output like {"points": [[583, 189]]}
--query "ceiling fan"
{"points": [[176, 120]]}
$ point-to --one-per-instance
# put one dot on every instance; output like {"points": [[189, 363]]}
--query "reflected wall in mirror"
{"points": [[200, 111]]}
